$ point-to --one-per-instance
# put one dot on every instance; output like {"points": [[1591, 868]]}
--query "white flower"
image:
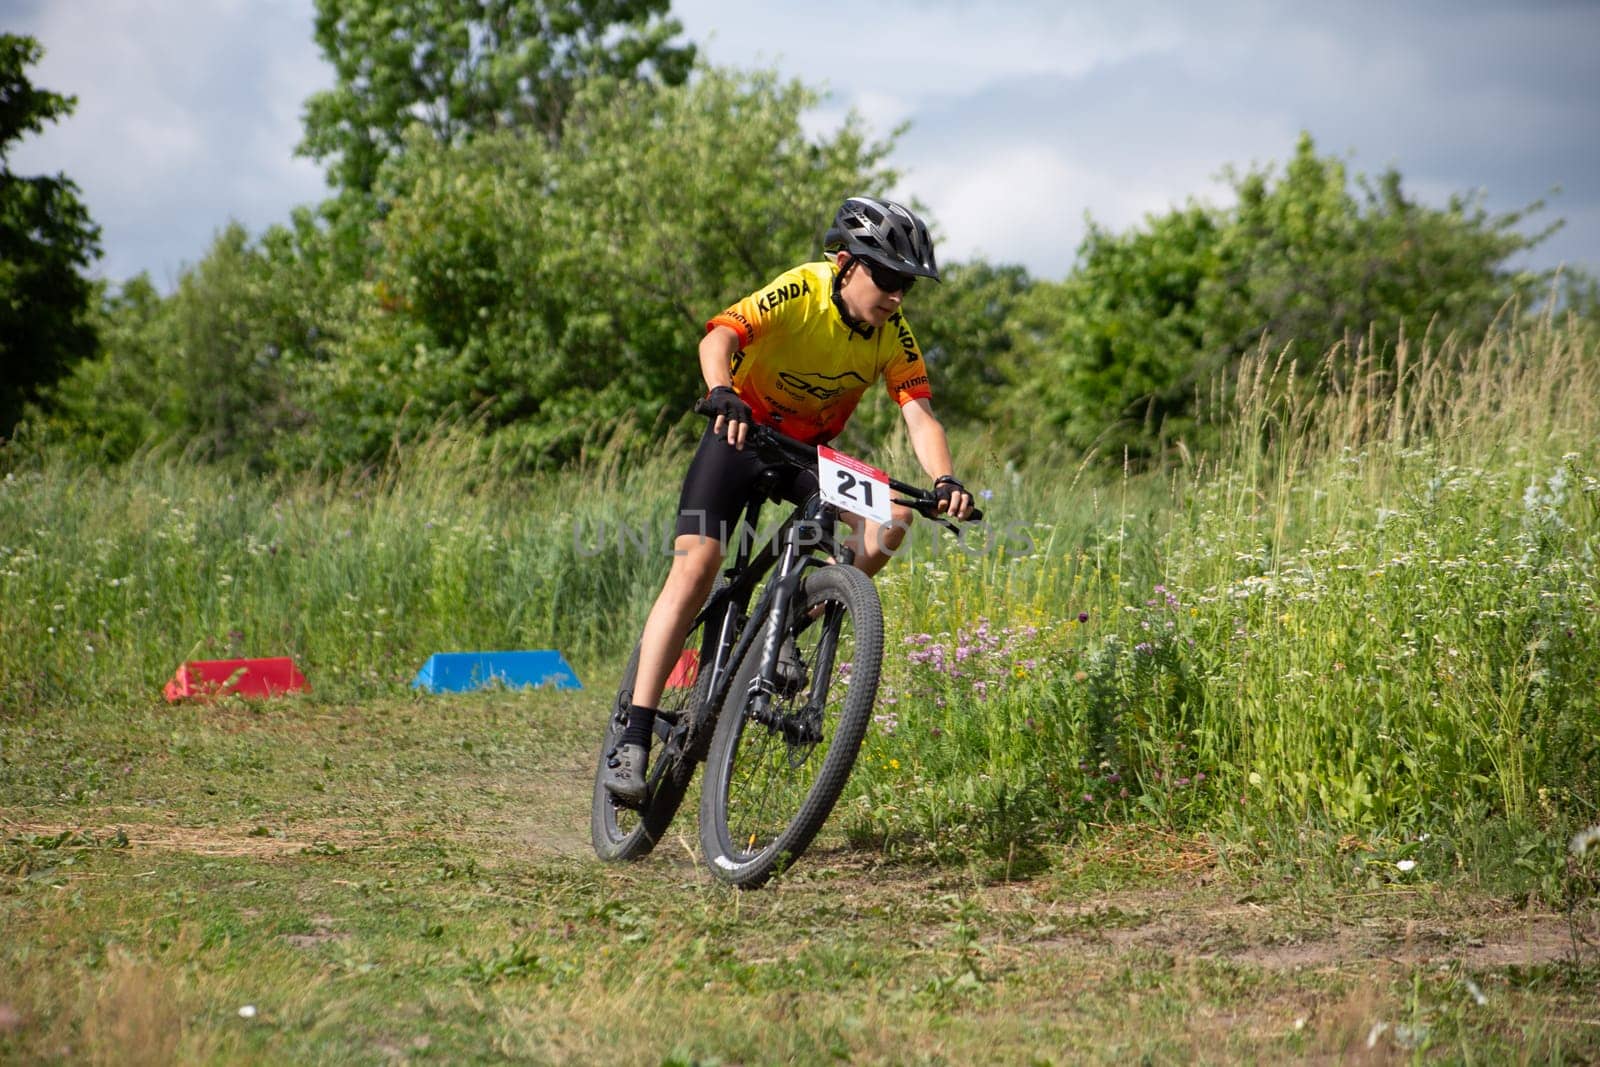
{"points": [[1584, 840], [247, 1012], [1406, 865]]}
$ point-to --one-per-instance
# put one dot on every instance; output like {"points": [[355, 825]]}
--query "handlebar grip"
{"points": [[927, 506]]}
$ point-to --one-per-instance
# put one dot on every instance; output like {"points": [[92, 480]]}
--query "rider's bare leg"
{"points": [[876, 545], [694, 569]]}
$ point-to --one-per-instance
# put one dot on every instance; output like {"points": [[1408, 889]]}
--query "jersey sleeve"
{"points": [[768, 308], [906, 373]]}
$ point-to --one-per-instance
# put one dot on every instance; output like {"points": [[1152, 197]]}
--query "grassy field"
{"points": [[410, 881], [1284, 752]]}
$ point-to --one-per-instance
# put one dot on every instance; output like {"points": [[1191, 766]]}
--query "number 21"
{"points": [[848, 481]]}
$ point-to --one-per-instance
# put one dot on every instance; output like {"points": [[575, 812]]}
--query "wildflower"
{"points": [[1083, 616], [1088, 798], [1080, 676], [1406, 865], [1583, 841]]}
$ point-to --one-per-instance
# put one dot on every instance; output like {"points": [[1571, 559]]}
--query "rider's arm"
{"points": [[716, 356], [927, 437], [716, 366], [928, 441]]}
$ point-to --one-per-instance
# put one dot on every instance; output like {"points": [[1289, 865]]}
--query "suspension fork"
{"points": [[800, 539]]}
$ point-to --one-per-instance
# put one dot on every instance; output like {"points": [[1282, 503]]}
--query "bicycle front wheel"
{"points": [[773, 776]]}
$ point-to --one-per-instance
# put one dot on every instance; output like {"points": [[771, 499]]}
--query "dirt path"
{"points": [[543, 817]]}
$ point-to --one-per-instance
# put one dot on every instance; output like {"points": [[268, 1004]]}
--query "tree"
{"points": [[965, 328], [107, 407], [550, 290], [209, 369], [465, 67], [47, 241], [1119, 353]]}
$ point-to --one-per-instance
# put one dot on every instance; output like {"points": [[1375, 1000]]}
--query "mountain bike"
{"points": [[774, 699]]}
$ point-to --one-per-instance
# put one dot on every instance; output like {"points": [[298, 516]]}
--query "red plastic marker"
{"points": [[207, 679], [686, 670]]}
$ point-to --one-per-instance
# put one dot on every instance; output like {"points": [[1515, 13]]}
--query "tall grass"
{"points": [[1375, 608], [113, 577]]}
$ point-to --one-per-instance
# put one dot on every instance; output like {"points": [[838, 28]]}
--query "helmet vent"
{"points": [[884, 232]]}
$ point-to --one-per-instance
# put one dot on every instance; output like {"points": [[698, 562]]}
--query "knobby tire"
{"points": [[621, 833], [766, 794]]}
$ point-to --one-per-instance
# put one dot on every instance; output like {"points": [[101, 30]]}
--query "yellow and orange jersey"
{"points": [[801, 369]]}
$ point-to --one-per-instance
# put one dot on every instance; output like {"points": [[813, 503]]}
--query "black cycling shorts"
{"points": [[719, 484]]}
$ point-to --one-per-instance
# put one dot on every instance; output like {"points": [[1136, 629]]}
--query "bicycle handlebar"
{"points": [[776, 447]]}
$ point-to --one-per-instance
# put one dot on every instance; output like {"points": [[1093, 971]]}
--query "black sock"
{"points": [[641, 726]]}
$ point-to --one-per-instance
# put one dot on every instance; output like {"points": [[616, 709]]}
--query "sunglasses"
{"points": [[890, 281]]}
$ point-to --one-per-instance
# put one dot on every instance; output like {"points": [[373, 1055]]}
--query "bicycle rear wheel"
{"points": [[771, 784], [620, 832]]}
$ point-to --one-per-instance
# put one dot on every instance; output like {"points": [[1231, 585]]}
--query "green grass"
{"points": [[410, 880], [1232, 759]]}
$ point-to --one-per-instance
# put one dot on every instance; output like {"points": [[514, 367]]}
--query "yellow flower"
{"points": [[894, 765]]}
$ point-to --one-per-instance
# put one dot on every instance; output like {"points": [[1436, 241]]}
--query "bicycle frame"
{"points": [[806, 539], [793, 549]]}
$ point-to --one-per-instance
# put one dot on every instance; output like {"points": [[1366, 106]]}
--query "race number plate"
{"points": [[852, 485]]}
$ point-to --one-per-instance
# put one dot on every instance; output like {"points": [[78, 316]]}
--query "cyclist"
{"points": [[796, 355]]}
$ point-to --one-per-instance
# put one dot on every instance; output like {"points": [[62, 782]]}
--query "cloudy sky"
{"points": [[1025, 115]]}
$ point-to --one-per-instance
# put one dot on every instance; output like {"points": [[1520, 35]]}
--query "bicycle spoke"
{"points": [[778, 762]]}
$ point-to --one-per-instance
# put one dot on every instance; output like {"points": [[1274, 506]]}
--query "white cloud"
{"points": [[921, 49], [1028, 204], [1025, 114], [187, 117]]}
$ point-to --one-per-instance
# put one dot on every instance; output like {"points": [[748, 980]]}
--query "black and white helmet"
{"points": [[884, 232]]}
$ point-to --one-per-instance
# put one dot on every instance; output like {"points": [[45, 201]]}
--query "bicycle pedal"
{"points": [[625, 804]]}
